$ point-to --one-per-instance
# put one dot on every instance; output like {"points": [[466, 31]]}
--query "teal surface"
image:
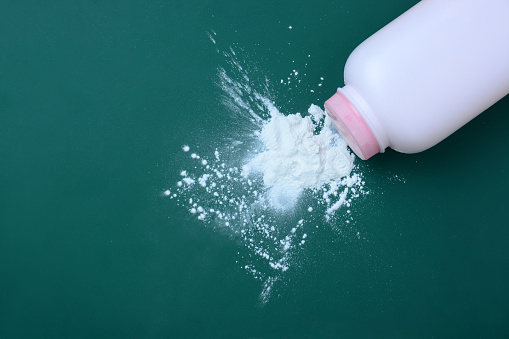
{"points": [[96, 99]]}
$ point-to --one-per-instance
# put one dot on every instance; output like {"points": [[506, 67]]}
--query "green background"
{"points": [[96, 99]]}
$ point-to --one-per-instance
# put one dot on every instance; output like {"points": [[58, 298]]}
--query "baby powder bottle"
{"points": [[423, 76]]}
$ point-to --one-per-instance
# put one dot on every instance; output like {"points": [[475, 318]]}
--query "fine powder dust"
{"points": [[271, 185]]}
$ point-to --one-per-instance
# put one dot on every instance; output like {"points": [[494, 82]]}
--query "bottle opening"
{"points": [[352, 126]]}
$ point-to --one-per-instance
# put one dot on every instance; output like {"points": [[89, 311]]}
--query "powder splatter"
{"points": [[269, 183]]}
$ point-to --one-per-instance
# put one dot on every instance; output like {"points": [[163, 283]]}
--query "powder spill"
{"points": [[297, 157], [270, 184]]}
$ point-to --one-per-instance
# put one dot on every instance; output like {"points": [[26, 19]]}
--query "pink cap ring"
{"points": [[352, 126]]}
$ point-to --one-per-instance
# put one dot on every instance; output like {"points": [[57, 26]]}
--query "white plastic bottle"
{"points": [[423, 76]]}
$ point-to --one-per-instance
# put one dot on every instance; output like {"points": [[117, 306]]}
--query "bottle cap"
{"points": [[352, 126]]}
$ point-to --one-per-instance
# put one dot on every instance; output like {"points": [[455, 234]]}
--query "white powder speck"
{"points": [[167, 192], [188, 181], [186, 148], [203, 179]]}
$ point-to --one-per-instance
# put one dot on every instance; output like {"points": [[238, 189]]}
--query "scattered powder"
{"points": [[269, 185]]}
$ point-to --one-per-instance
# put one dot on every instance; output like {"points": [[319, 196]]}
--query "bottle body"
{"points": [[425, 74]]}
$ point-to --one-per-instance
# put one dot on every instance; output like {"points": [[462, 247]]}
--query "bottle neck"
{"points": [[351, 116]]}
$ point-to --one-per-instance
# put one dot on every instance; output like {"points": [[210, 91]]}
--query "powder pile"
{"points": [[270, 185], [298, 156]]}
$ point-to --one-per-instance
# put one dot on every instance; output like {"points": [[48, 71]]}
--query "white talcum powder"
{"points": [[297, 156], [271, 184]]}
